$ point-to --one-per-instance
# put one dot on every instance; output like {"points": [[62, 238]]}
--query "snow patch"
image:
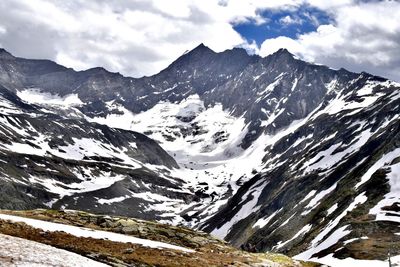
{"points": [[390, 199], [324, 240], [264, 221], [26, 253], [385, 159], [35, 96]]}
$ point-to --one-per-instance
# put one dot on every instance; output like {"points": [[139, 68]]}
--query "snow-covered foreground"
{"points": [[25, 253], [85, 232]]}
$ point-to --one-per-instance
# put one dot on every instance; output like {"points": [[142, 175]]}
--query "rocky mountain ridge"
{"points": [[274, 153]]}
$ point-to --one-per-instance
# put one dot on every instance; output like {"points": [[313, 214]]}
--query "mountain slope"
{"points": [[52, 160], [274, 153], [331, 176]]}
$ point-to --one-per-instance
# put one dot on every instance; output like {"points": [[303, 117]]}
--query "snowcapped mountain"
{"points": [[268, 153]]}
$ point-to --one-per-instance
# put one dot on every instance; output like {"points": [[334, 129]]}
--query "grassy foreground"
{"points": [[208, 251]]}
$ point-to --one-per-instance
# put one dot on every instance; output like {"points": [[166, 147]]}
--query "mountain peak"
{"points": [[238, 50], [283, 52], [96, 70], [202, 48], [282, 55], [195, 54]]}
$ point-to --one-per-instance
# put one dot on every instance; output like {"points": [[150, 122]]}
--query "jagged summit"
{"points": [[203, 62], [200, 49], [201, 46], [96, 69], [282, 54], [100, 71], [236, 51], [283, 51]]}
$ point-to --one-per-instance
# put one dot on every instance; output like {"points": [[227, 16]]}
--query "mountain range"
{"points": [[269, 153]]}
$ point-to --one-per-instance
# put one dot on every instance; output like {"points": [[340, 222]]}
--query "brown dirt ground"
{"points": [[127, 254]]}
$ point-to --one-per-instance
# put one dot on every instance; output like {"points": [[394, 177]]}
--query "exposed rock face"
{"points": [[274, 153], [47, 158]]}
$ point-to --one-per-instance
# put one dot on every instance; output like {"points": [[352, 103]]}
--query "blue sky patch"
{"points": [[288, 23]]}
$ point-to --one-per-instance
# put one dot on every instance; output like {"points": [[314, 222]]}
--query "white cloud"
{"points": [[329, 5], [364, 37], [175, 8], [289, 20], [3, 30], [251, 48], [270, 46], [135, 38]]}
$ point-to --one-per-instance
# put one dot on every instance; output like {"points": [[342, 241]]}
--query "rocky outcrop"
{"points": [[205, 250]]}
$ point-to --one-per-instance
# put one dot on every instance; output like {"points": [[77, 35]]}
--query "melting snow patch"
{"points": [[103, 180], [264, 221], [246, 209], [332, 209], [309, 195], [35, 96], [385, 159], [317, 199], [112, 200], [350, 262], [271, 86], [390, 199], [323, 240], [303, 230]]}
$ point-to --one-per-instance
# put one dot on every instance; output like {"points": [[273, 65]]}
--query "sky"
{"points": [[142, 37]]}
